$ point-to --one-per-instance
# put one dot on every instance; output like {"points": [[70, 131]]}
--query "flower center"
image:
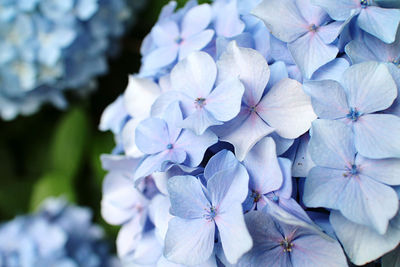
{"points": [[365, 3], [396, 62], [286, 245], [211, 212], [170, 146], [353, 170], [353, 114], [313, 28], [200, 102], [256, 196], [178, 40]]}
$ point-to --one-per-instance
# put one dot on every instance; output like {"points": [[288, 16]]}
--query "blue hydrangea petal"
{"points": [[189, 242], [225, 100], [330, 32], [235, 237], [249, 66], [244, 132], [195, 146], [288, 29], [332, 71], [113, 116], [223, 160], [161, 104], [358, 52], [384, 52], [287, 109], [369, 86], [152, 136], [173, 117], [282, 144], [199, 121], [86, 8], [328, 99], [263, 167], [227, 22], [380, 22], [165, 33], [376, 135], [195, 43], [195, 75], [310, 53], [159, 58], [340, 9], [386, 171], [128, 237], [332, 144], [285, 191], [187, 197], [361, 243], [147, 252], [196, 20], [395, 71], [359, 198], [311, 13]]}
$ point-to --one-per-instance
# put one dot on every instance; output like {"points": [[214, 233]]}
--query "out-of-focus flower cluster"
{"points": [[59, 234], [48, 46], [260, 133]]}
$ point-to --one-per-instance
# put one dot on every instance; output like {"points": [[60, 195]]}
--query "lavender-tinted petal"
{"points": [[199, 121], [159, 214], [249, 66], [386, 171], [278, 72], [173, 117], [195, 75], [331, 144], [288, 29], [223, 160], [376, 135], [195, 145], [128, 138], [235, 237], [369, 86], [129, 237], [311, 13], [310, 53], [225, 100], [189, 242], [159, 58], [244, 132], [187, 198], [152, 136], [164, 100], [282, 144], [118, 163], [262, 164], [195, 43], [361, 243], [285, 191], [380, 22], [358, 52], [328, 99], [148, 251], [196, 20], [331, 71], [330, 32], [302, 163], [227, 22], [340, 9], [287, 109]]}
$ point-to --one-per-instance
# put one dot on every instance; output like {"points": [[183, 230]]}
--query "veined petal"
{"points": [[380, 22], [160, 57], [340, 9], [310, 53], [358, 52], [223, 160], [332, 71], [361, 243], [249, 66], [330, 32], [199, 121], [328, 99], [386, 171], [195, 43], [282, 18], [262, 164], [225, 100], [165, 33], [377, 135], [195, 75], [369, 87], [152, 136], [189, 242], [287, 109], [332, 144], [187, 198], [244, 132], [235, 237], [196, 20]]}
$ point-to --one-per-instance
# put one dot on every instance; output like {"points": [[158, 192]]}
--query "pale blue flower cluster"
{"points": [[260, 133], [48, 46], [59, 234]]}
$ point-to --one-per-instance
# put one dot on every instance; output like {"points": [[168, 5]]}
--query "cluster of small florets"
{"points": [[260, 133], [48, 46], [59, 234]]}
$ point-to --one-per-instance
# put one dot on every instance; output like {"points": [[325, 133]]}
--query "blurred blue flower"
{"points": [[57, 235], [49, 46]]}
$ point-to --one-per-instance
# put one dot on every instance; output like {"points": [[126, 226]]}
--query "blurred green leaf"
{"points": [[52, 184], [69, 143], [101, 144], [14, 198]]}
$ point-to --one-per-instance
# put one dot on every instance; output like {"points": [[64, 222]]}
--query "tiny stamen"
{"points": [[211, 213], [313, 28], [200, 102], [286, 245], [365, 3], [170, 146], [352, 171], [256, 196], [353, 114]]}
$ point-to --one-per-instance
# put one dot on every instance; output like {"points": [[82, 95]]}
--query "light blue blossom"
{"points": [[50, 46], [365, 89], [58, 235], [344, 180], [380, 22], [305, 28], [285, 244], [164, 143], [202, 212]]}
